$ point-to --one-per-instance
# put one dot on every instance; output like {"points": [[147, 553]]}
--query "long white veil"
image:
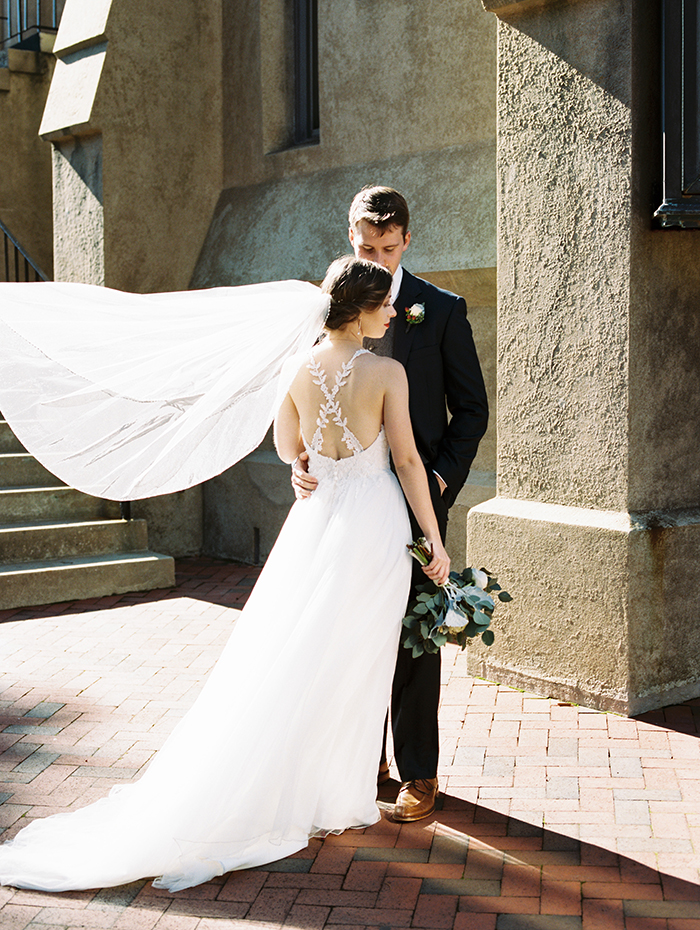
{"points": [[127, 396]]}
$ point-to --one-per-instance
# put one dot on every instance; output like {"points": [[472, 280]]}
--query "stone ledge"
{"points": [[4, 79], [507, 7], [605, 604], [72, 94], [29, 584], [82, 24], [27, 62]]}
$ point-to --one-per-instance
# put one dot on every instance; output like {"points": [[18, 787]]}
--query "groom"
{"points": [[432, 339]]}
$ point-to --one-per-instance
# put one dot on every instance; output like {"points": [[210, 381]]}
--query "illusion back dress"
{"points": [[283, 742]]}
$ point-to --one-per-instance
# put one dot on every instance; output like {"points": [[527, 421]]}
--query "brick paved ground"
{"points": [[554, 817]]}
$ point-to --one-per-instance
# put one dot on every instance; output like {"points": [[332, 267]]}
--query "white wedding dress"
{"points": [[284, 741]]}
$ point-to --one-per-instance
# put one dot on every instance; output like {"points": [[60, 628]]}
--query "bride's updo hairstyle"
{"points": [[354, 285]]}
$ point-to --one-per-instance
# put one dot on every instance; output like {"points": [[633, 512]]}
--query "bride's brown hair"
{"points": [[354, 285]]}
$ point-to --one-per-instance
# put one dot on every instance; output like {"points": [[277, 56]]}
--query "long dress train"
{"points": [[283, 742]]}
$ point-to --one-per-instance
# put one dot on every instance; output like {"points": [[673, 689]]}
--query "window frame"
{"points": [[306, 96], [680, 117]]}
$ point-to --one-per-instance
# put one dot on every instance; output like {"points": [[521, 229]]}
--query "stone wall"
{"points": [[134, 115], [597, 521], [146, 79], [422, 119], [173, 167], [25, 161]]}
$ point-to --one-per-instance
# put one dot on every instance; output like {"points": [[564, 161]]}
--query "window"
{"points": [[306, 119], [680, 118], [23, 21]]}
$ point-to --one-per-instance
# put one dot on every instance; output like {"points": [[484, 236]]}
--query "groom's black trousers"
{"points": [[415, 692]]}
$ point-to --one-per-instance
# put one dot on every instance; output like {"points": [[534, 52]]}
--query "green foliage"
{"points": [[455, 612]]}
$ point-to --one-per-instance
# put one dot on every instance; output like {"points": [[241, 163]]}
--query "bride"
{"points": [[284, 741]]}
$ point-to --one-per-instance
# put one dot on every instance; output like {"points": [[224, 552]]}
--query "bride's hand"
{"points": [[438, 569], [303, 483]]}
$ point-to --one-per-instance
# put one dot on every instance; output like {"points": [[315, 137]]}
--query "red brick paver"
{"points": [[553, 817]]}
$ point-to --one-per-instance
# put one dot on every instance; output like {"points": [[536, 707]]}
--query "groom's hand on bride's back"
{"points": [[303, 483]]}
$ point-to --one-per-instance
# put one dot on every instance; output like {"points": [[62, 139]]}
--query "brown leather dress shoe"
{"points": [[384, 774], [416, 799]]}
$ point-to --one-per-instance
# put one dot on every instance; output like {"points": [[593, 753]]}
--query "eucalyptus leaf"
{"points": [[453, 613], [481, 619]]}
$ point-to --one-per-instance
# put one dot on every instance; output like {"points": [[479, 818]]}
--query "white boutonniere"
{"points": [[415, 315]]}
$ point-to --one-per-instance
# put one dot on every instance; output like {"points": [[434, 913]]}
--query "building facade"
{"points": [[220, 143]]}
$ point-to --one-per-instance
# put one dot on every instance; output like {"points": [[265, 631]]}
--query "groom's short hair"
{"points": [[381, 207]]}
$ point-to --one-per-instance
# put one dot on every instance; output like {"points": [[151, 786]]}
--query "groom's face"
{"points": [[383, 247]]}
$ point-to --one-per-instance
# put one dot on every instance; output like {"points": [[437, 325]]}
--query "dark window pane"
{"points": [[306, 111]]}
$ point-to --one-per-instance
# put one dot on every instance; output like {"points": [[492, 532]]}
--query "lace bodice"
{"points": [[330, 409], [363, 461]]}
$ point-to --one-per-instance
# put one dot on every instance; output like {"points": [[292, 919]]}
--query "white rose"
{"points": [[480, 578]]}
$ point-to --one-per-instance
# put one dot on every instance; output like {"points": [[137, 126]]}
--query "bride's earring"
{"points": [[359, 329]]}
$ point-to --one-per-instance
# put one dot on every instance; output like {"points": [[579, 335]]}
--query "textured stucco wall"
{"points": [[295, 227], [78, 210], [175, 522], [135, 118], [160, 103], [25, 160], [598, 383], [609, 300], [565, 135], [153, 93], [414, 108], [566, 568], [193, 120], [245, 507], [407, 98], [605, 603], [392, 83]]}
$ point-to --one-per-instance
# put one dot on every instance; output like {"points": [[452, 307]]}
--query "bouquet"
{"points": [[451, 613]]}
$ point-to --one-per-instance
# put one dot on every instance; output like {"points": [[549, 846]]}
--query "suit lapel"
{"points": [[409, 294]]}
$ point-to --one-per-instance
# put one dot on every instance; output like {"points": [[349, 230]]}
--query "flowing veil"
{"points": [[127, 396]]}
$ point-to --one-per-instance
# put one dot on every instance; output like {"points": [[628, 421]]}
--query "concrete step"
{"points": [[8, 441], [58, 544], [21, 470], [53, 504], [35, 541], [28, 584]]}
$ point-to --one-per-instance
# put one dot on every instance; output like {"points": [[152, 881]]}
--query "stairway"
{"points": [[58, 544]]}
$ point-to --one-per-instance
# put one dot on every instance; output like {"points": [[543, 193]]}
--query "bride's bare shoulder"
{"points": [[387, 369]]}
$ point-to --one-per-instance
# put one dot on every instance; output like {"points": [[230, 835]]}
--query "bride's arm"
{"points": [[409, 467], [288, 441]]}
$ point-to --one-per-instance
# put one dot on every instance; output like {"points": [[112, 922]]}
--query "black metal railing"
{"points": [[15, 264], [680, 136], [21, 21]]}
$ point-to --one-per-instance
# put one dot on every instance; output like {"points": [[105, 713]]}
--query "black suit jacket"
{"points": [[442, 366]]}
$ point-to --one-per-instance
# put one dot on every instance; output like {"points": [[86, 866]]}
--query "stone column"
{"points": [[596, 527]]}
